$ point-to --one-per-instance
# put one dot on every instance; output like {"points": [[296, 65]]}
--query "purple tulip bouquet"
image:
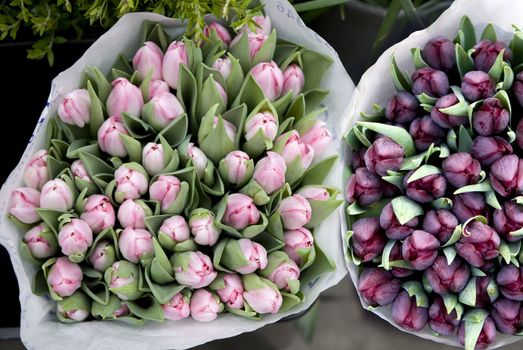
{"points": [[436, 190]]}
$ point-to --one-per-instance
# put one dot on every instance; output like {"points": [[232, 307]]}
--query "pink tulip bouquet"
{"points": [[186, 181]]}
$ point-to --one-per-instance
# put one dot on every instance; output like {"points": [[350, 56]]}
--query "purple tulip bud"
{"points": [[426, 189], [460, 169], [384, 154], [486, 337], [407, 314], [420, 249], [441, 223], [378, 287], [357, 158], [508, 315], [363, 187], [429, 81], [517, 88], [486, 292], [75, 108], [402, 107], [368, 240], [491, 118], [222, 32], [395, 255], [293, 80], [444, 120], [270, 79], [393, 229], [425, 132], [510, 282], [174, 57], [24, 201], [508, 219], [506, 175], [478, 244], [445, 278], [224, 66], [486, 51], [489, 149], [124, 98], [149, 56], [477, 85], [109, 138], [440, 321], [467, 205], [439, 53]]}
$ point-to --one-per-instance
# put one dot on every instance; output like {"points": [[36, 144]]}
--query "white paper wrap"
{"points": [[376, 86], [39, 327]]}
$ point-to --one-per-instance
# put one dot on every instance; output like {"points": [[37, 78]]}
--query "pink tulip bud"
{"points": [[263, 25], [36, 174], [203, 228], [238, 167], [176, 228], [229, 288], [75, 108], [199, 159], [64, 277], [293, 80], [78, 169], [175, 56], [136, 244], [130, 183], [240, 211], [75, 237], [124, 98], [102, 256], [221, 32], [297, 243], [156, 87], [177, 308], [295, 212], [285, 272], [294, 148], [193, 269], [165, 190], [165, 109], [75, 308], [205, 306], [254, 253], [132, 214], [224, 66], [24, 201], [315, 193], [149, 56], [56, 194], [269, 172], [41, 242], [109, 137], [318, 137], [152, 158], [263, 300], [270, 78], [230, 128], [255, 42], [264, 121], [98, 213]]}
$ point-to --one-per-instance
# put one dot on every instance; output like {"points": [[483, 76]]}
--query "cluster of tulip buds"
{"points": [[436, 192], [186, 183]]}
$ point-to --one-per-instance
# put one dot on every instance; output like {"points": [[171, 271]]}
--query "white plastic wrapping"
{"points": [[39, 327], [376, 86]]}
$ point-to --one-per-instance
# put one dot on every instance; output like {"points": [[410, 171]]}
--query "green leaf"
{"points": [[147, 308], [266, 51], [250, 93], [399, 135], [315, 65], [175, 132], [497, 67], [516, 46], [489, 33], [463, 61], [418, 60], [322, 264], [481, 187], [465, 141], [103, 87], [386, 26], [423, 171], [401, 80], [307, 322], [187, 94], [316, 174], [466, 33], [405, 209]]}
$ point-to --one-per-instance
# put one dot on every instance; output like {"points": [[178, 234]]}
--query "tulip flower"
{"points": [[240, 211], [165, 190], [378, 287], [424, 132], [261, 294], [407, 314], [420, 249], [269, 172], [205, 306], [486, 337], [393, 229], [294, 148], [175, 229], [203, 227], [221, 32], [152, 158], [102, 256], [460, 169], [293, 80], [221, 92], [467, 205], [230, 128], [441, 223], [255, 42], [510, 282], [478, 244], [236, 168], [131, 182], [445, 120], [75, 238], [148, 57], [98, 213], [244, 256], [24, 201], [122, 278], [36, 174], [136, 245], [282, 271], [175, 56], [395, 255], [124, 98], [64, 277], [517, 88], [384, 154], [440, 321], [270, 79], [491, 117], [56, 194], [156, 87], [477, 85], [162, 109], [264, 121], [506, 175], [430, 81], [109, 138], [193, 269], [224, 66], [367, 240], [132, 213], [295, 212], [315, 193], [317, 136], [508, 219], [446, 278], [229, 288], [426, 189], [262, 25], [489, 149], [298, 244], [439, 53], [402, 108], [75, 108], [76, 308], [78, 169], [41, 242], [177, 308], [486, 51], [507, 315], [357, 158]]}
